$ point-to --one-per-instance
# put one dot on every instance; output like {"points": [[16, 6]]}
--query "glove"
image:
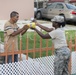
{"points": [[32, 25]]}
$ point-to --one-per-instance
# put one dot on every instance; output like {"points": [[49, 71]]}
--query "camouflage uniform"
{"points": [[62, 56]]}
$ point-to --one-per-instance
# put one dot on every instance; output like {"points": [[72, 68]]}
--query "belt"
{"points": [[60, 47]]}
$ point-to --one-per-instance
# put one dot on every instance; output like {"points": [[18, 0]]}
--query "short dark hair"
{"points": [[13, 13]]}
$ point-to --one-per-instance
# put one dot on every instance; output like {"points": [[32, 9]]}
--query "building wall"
{"points": [[24, 7]]}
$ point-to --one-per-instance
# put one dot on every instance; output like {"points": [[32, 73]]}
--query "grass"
{"points": [[69, 34], [73, 74]]}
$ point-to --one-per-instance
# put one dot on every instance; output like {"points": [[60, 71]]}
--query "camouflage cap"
{"points": [[58, 19]]}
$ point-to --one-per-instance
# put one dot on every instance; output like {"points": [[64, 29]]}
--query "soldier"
{"points": [[62, 52]]}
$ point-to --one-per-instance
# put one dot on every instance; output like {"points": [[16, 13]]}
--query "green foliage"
{"points": [[2, 36], [70, 34]]}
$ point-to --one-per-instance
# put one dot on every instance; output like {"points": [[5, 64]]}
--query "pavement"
{"points": [[46, 23], [49, 24]]}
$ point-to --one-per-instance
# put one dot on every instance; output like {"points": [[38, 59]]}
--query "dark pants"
{"points": [[2, 59], [9, 58]]}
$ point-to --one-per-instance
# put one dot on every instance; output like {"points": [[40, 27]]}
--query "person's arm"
{"points": [[22, 31], [44, 36], [42, 27], [45, 28]]}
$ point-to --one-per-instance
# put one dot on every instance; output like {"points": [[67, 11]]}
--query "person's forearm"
{"points": [[45, 28], [41, 34], [17, 32], [23, 31]]}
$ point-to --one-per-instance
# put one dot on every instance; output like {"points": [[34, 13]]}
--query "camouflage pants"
{"points": [[62, 56]]}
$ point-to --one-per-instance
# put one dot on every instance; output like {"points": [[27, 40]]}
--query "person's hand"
{"points": [[53, 28], [34, 20], [33, 28], [32, 25], [25, 27]]}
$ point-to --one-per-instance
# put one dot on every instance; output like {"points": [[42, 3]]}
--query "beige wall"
{"points": [[24, 7]]}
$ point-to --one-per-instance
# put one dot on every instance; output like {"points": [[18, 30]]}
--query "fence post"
{"points": [[46, 47], [70, 47], [20, 45], [75, 43], [6, 47], [40, 45], [27, 43], [13, 51], [34, 44]]}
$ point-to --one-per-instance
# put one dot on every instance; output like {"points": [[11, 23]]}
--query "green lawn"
{"points": [[69, 34], [73, 74]]}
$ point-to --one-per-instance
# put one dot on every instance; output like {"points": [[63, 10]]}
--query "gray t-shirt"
{"points": [[58, 38]]}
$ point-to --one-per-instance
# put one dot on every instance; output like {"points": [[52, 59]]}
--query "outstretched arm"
{"points": [[22, 31], [42, 27], [44, 36], [45, 28]]}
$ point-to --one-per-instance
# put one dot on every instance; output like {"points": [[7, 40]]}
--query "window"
{"points": [[70, 6], [59, 6], [51, 5]]}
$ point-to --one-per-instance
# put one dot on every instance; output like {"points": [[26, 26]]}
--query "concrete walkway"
{"points": [[21, 23], [49, 24]]}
